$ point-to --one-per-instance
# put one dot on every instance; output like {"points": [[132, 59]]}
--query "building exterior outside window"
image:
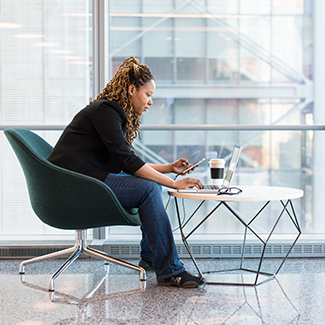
{"points": [[237, 62]]}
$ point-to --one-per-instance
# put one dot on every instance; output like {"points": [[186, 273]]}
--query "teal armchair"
{"points": [[67, 200]]}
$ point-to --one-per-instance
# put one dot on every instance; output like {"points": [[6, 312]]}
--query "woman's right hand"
{"points": [[187, 182]]}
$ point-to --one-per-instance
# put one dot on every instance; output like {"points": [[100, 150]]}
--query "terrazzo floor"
{"points": [[91, 293]]}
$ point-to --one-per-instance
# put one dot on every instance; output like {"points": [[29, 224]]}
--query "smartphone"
{"points": [[190, 168]]}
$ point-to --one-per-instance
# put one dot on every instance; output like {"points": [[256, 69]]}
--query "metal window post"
{"points": [[99, 45], [319, 115], [99, 62]]}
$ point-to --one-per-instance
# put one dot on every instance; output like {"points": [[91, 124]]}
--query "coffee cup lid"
{"points": [[217, 162]]}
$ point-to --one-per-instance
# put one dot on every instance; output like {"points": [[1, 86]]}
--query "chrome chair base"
{"points": [[79, 248]]}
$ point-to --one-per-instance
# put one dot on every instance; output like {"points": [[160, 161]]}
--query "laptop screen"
{"points": [[232, 165]]}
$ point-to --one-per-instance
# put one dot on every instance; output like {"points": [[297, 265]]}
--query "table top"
{"points": [[250, 193]]}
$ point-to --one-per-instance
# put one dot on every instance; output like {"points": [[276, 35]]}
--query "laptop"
{"points": [[213, 189]]}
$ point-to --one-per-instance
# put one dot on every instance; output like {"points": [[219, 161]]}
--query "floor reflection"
{"points": [[236, 304], [241, 305], [102, 290], [91, 294]]}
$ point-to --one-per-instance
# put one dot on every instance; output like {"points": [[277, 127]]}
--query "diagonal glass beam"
{"points": [[254, 48], [150, 28]]}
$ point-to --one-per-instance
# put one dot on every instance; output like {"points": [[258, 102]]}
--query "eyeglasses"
{"points": [[229, 191]]}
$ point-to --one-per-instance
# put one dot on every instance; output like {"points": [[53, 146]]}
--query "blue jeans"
{"points": [[157, 244]]}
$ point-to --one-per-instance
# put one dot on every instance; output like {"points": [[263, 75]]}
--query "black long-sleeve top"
{"points": [[94, 143]]}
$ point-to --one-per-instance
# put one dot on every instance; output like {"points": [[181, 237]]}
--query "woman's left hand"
{"points": [[180, 165]]}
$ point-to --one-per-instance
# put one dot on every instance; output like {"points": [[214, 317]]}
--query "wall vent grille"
{"points": [[199, 250], [27, 252]]}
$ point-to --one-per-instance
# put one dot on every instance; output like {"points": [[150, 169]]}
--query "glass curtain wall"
{"points": [[225, 62], [215, 62], [45, 64]]}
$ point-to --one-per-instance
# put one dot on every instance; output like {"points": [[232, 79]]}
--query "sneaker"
{"points": [[183, 280], [147, 265]]}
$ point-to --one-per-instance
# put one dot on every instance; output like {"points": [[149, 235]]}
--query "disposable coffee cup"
{"points": [[217, 171]]}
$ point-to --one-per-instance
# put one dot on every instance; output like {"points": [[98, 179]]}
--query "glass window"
{"points": [[223, 62], [223, 7], [245, 62], [290, 52], [291, 7], [190, 69], [255, 7], [45, 68], [161, 67]]}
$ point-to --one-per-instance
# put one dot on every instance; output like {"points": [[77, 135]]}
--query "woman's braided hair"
{"points": [[130, 72]]}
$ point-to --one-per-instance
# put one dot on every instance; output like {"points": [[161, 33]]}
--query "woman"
{"points": [[98, 143]]}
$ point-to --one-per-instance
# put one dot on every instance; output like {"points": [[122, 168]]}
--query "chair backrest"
{"points": [[62, 198]]}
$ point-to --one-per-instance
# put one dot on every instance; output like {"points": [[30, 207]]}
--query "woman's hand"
{"points": [[187, 182], [180, 165]]}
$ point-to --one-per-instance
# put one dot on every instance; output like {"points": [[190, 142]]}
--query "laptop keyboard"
{"points": [[211, 187]]}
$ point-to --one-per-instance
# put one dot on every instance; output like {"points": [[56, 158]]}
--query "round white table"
{"points": [[264, 194], [250, 193]]}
